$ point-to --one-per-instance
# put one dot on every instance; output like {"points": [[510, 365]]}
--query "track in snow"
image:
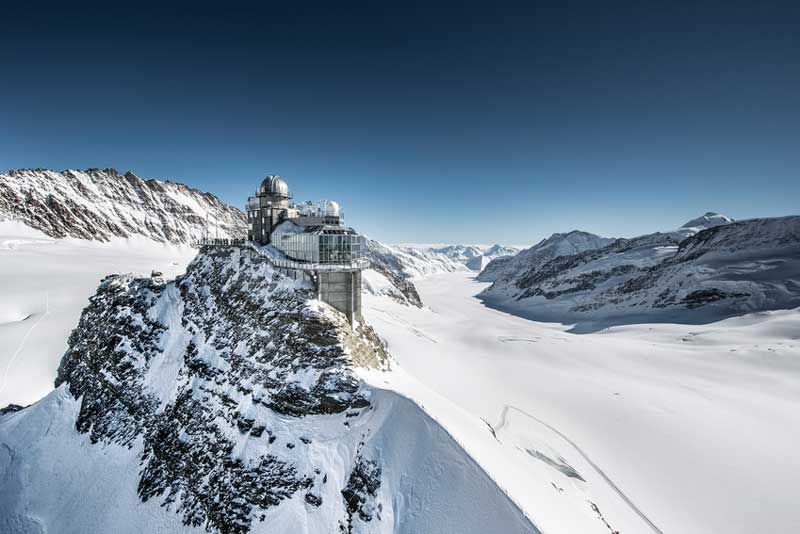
{"points": [[24, 339], [637, 511]]}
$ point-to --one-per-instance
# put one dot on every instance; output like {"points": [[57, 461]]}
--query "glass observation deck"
{"points": [[325, 246]]}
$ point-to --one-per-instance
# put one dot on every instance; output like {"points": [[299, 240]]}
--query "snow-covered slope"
{"points": [[103, 204], [693, 427], [725, 269], [227, 401], [44, 285]]}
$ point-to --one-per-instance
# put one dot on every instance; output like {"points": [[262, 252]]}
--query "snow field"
{"points": [[696, 425], [41, 275]]}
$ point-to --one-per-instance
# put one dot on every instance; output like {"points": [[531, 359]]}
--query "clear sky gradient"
{"points": [[475, 123]]}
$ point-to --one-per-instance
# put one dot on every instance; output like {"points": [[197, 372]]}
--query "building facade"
{"points": [[267, 208], [313, 241]]}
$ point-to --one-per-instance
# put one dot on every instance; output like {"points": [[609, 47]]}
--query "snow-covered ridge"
{"points": [[709, 220], [227, 401], [103, 204], [531, 259], [689, 276]]}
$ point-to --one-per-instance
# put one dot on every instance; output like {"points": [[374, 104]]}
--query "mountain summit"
{"points": [[709, 220], [228, 401], [529, 260]]}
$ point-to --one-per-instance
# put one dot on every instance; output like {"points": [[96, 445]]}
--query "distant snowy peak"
{"points": [[709, 220], [559, 244], [771, 233], [496, 251], [100, 205], [433, 259], [578, 242], [573, 242]]}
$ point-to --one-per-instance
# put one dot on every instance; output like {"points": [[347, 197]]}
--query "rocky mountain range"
{"points": [[432, 259], [709, 268], [105, 204], [229, 400]]}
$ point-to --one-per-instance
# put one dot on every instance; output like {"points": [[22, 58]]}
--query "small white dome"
{"points": [[331, 208]]}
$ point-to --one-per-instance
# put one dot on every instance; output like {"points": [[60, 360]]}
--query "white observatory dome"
{"points": [[331, 208], [274, 185]]}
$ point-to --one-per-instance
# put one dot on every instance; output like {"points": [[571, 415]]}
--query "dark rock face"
{"points": [[495, 268], [11, 408], [362, 488], [385, 262], [701, 297], [583, 282], [184, 367], [102, 204], [114, 339]]}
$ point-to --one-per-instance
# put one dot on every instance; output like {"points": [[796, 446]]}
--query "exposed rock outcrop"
{"points": [[228, 401]]}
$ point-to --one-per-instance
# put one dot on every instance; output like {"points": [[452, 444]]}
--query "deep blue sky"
{"points": [[429, 124]]}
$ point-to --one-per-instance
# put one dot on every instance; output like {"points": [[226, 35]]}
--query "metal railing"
{"points": [[219, 242], [355, 265], [344, 266]]}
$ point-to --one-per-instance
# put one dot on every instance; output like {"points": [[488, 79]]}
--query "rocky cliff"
{"points": [[229, 400]]}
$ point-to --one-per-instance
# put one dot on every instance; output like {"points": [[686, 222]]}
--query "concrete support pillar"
{"points": [[342, 290]]}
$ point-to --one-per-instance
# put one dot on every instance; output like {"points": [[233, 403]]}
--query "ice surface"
{"points": [[695, 426]]}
